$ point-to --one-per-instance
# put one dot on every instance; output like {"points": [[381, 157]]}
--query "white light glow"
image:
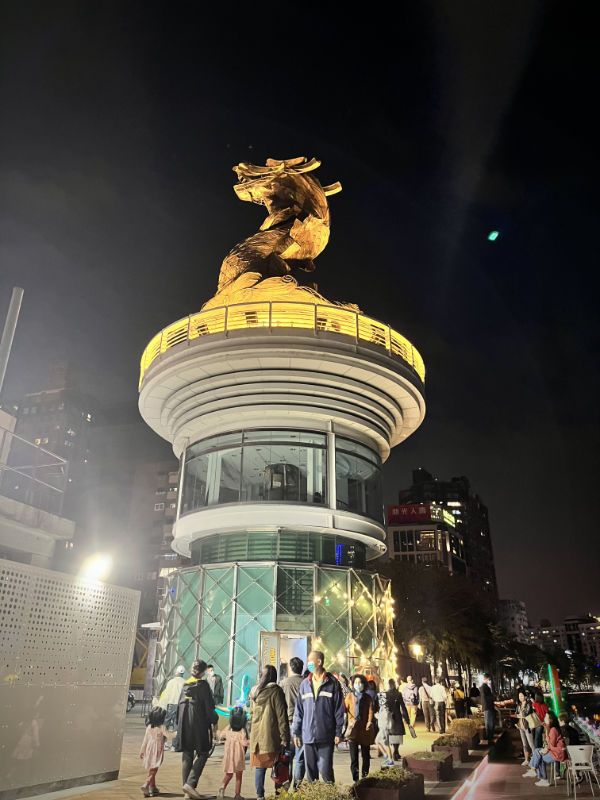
{"points": [[96, 567]]}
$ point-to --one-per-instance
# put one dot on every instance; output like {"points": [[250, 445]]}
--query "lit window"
{"points": [[26, 410], [172, 505], [61, 406], [34, 409], [159, 506], [37, 441]]}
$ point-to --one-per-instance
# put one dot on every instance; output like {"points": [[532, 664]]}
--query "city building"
{"points": [[60, 418], [32, 484], [577, 635], [472, 521], [425, 533], [152, 512], [577, 630], [547, 636], [512, 616], [282, 408]]}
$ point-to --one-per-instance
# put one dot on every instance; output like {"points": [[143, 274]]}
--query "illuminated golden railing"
{"points": [[269, 315]]}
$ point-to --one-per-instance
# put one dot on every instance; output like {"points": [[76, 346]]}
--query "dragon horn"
{"points": [[309, 166], [333, 188], [252, 170]]}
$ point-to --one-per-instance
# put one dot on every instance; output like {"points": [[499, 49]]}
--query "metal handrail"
{"points": [[273, 314]]}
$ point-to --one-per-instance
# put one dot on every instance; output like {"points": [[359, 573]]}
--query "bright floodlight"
{"points": [[97, 567], [416, 649], [493, 235]]}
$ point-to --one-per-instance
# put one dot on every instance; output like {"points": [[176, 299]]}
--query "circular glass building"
{"points": [[281, 430]]}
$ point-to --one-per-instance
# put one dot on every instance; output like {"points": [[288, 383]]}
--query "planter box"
{"points": [[459, 752], [471, 742], [430, 768], [414, 790]]}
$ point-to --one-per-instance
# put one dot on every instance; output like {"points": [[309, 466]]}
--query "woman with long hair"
{"points": [[359, 727], [270, 726], [555, 750], [524, 709]]}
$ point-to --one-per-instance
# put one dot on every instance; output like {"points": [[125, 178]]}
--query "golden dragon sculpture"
{"points": [[294, 233]]}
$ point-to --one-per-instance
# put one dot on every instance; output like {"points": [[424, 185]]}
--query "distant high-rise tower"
{"points": [[472, 521]]}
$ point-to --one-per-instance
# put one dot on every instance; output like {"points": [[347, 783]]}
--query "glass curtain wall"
{"points": [[256, 466], [281, 466], [217, 613], [358, 479]]}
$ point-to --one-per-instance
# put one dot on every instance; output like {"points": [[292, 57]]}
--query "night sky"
{"points": [[120, 122]]}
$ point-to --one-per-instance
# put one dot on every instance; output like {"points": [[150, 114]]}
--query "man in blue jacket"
{"points": [[318, 719]]}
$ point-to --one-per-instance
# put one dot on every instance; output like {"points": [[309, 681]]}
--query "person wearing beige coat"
{"points": [[270, 726]]}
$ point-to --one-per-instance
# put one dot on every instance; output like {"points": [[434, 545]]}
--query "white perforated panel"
{"points": [[66, 647]]}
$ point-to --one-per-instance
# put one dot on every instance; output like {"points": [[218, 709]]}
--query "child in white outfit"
{"points": [[234, 757]]}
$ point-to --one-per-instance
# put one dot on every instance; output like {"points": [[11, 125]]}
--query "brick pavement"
{"points": [[132, 773]]}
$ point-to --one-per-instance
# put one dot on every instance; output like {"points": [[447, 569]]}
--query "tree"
{"points": [[443, 612]]}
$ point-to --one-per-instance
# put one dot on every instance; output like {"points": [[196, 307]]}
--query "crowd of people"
{"points": [[297, 721]]}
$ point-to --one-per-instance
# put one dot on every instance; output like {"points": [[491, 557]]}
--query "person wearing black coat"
{"points": [[398, 715], [195, 718]]}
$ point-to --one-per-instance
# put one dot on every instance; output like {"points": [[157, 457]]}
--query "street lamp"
{"points": [[96, 567], [416, 650]]}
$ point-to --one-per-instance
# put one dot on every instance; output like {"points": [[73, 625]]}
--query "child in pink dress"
{"points": [[234, 757], [153, 749]]}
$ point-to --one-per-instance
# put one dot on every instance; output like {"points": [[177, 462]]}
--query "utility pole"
{"points": [[8, 334]]}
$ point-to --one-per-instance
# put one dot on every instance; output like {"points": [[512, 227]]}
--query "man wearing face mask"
{"points": [[318, 719], [216, 685]]}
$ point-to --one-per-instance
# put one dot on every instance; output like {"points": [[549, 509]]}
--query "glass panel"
{"points": [[262, 546], [331, 607], [348, 446], [292, 471], [297, 546], [215, 633], [194, 484], [295, 600], [363, 632], [358, 486], [284, 473], [254, 614], [213, 443]]}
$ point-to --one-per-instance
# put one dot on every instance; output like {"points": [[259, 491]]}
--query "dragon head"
{"points": [[259, 184]]}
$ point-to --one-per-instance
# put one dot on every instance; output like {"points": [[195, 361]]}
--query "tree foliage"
{"points": [[444, 613]]}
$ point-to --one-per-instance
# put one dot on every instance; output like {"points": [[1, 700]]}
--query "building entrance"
{"points": [[278, 648]]}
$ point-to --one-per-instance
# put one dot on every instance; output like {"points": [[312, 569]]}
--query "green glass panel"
{"points": [[331, 609], [254, 613], [363, 612], [295, 599], [217, 607], [262, 546]]}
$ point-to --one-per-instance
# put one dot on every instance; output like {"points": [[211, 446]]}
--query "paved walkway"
{"points": [[504, 780], [132, 773]]}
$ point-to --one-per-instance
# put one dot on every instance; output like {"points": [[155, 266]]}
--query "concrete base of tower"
{"points": [[242, 616]]}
